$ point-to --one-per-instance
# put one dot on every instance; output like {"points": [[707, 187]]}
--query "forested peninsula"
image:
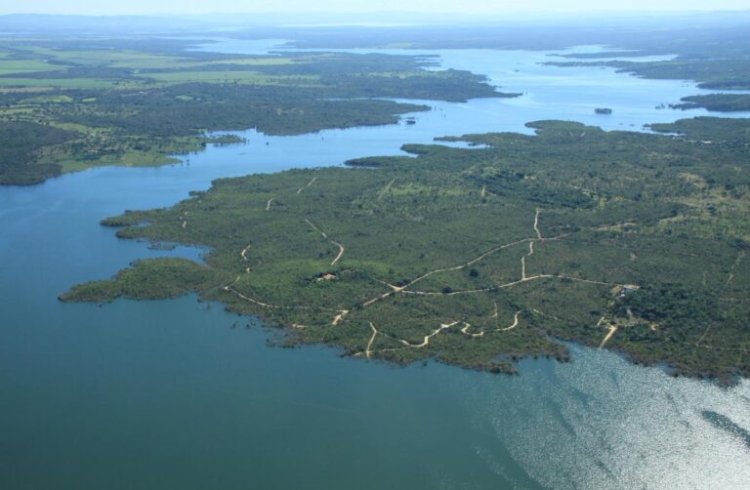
{"points": [[482, 256]]}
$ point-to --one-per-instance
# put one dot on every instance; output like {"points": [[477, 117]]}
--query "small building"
{"points": [[326, 276], [626, 289]]}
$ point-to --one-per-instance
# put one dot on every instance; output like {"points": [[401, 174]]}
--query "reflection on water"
{"points": [[180, 394], [604, 423]]}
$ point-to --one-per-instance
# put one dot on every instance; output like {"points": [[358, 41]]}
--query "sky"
{"points": [[479, 7]]}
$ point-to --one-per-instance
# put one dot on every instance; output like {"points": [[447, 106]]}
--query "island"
{"points": [[482, 256]]}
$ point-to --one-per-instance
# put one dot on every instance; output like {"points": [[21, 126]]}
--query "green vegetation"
{"points": [[150, 279], [725, 73], [135, 103], [21, 144], [722, 74], [478, 257], [698, 62], [716, 102]]}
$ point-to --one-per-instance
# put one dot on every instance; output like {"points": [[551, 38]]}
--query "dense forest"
{"points": [[479, 257], [22, 146], [716, 102]]}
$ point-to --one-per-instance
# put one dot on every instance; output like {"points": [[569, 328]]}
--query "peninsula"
{"points": [[482, 256]]}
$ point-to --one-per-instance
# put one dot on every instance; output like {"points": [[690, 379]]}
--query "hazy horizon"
{"points": [[354, 7]]}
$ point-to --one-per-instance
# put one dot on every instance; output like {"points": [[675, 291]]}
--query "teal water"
{"points": [[180, 394]]}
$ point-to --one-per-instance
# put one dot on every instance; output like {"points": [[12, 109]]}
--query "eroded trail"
{"points": [[612, 330], [466, 328], [312, 181], [426, 341], [368, 351], [524, 277], [385, 189], [339, 317], [514, 324], [230, 288], [341, 252], [243, 254], [497, 287], [536, 224], [312, 225], [466, 332], [738, 260], [325, 236]]}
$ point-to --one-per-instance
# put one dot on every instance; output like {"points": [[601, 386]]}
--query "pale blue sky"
{"points": [[111, 7]]}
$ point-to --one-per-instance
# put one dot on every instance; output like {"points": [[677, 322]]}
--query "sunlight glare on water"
{"points": [[180, 394]]}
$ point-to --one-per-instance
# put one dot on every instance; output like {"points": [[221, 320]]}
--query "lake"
{"points": [[181, 394]]}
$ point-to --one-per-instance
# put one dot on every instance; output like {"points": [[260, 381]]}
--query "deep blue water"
{"points": [[180, 394]]}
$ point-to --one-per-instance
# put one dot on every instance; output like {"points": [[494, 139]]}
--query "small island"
{"points": [[480, 257], [603, 110]]}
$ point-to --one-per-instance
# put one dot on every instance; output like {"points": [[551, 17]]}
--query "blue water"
{"points": [[180, 394]]}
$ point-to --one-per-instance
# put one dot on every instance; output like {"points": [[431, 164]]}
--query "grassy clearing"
{"points": [[11, 67], [157, 63], [50, 84], [127, 159], [246, 77], [111, 57], [137, 60]]}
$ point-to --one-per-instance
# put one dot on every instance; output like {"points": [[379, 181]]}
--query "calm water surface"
{"points": [[180, 394]]}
